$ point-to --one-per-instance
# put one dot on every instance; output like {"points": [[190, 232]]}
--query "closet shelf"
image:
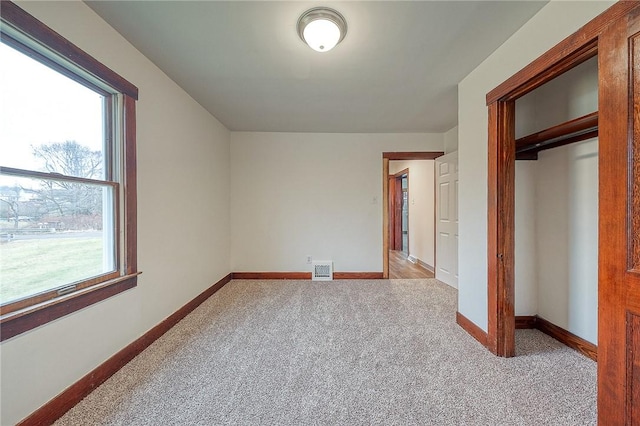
{"points": [[576, 130]]}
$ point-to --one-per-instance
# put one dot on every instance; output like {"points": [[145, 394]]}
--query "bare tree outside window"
{"points": [[78, 205]]}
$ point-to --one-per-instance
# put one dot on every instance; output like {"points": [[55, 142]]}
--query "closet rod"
{"points": [[576, 130]]}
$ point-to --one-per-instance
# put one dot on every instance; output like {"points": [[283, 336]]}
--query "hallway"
{"points": [[400, 267]]}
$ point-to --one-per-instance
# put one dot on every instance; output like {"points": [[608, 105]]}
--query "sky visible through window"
{"points": [[39, 106]]}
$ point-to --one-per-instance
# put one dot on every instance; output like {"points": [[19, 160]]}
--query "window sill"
{"points": [[18, 322]]}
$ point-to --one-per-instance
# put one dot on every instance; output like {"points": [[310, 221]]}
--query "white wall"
{"points": [[568, 96], [421, 207], [526, 238], [451, 140], [320, 194], [567, 244], [554, 22], [183, 223]]}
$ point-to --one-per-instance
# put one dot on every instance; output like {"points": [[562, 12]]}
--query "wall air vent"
{"points": [[322, 270]]}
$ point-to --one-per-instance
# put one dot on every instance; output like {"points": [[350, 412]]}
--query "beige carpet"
{"points": [[340, 353]]}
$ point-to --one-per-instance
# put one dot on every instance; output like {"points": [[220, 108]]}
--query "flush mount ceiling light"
{"points": [[322, 28]]}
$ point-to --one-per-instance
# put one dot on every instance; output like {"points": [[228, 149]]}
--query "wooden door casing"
{"points": [[392, 213], [395, 209], [619, 229], [397, 224]]}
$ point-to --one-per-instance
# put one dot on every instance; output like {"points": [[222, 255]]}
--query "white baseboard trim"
{"points": [[419, 262]]}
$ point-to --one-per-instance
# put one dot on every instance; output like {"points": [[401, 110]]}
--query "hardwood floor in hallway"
{"points": [[400, 267]]}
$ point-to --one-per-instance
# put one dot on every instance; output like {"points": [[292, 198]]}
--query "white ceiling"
{"points": [[396, 71]]}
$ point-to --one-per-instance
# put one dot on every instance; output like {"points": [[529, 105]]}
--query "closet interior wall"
{"points": [[556, 217]]}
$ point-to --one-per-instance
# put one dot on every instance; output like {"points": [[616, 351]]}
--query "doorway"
{"points": [[406, 240], [399, 212], [400, 249], [404, 212]]}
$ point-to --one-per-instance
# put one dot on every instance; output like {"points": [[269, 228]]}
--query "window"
{"points": [[67, 177]]}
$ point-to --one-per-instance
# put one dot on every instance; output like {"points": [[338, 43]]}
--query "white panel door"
{"points": [[447, 219]]}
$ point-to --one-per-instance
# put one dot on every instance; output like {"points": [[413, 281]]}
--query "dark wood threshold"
{"points": [[475, 331], [579, 129], [569, 339], [304, 275], [67, 399]]}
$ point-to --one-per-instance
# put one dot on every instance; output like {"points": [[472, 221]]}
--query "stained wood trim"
{"points": [[553, 70], [395, 219], [501, 229], [632, 275], [581, 345], [385, 217], [576, 130], [27, 24], [28, 305], [570, 52], [560, 334], [305, 275], [130, 186], [15, 323], [633, 367], [55, 408], [634, 170], [475, 331], [525, 322], [392, 212], [616, 156], [272, 275], [426, 155]]}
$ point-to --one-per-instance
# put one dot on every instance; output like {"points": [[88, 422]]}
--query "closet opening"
{"points": [[556, 209]]}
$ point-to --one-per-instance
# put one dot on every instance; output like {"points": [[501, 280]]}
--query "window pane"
{"points": [[53, 233], [48, 122]]}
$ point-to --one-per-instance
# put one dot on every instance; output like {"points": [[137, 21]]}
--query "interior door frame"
{"points": [[567, 54], [395, 224], [386, 157], [392, 212]]}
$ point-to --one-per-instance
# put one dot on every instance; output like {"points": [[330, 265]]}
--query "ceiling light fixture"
{"points": [[322, 28]]}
